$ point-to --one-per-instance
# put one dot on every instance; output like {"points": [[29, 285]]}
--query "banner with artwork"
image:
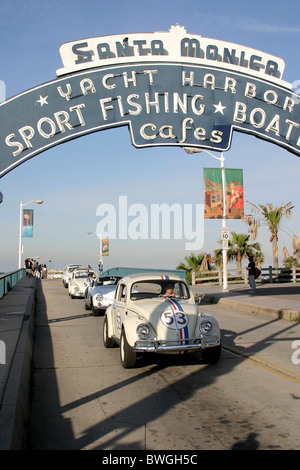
{"points": [[105, 247], [213, 193], [27, 227]]}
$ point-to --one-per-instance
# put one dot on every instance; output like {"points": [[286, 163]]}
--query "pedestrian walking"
{"points": [[251, 274]]}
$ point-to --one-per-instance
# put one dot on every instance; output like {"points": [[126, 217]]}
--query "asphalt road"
{"points": [[83, 399]]}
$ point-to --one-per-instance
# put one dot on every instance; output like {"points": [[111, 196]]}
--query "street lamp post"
{"points": [[221, 159], [100, 264], [37, 201]]}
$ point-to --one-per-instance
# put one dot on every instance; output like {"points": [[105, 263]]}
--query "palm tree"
{"points": [[240, 248], [258, 258], [195, 263], [296, 247], [218, 255], [272, 216], [290, 262]]}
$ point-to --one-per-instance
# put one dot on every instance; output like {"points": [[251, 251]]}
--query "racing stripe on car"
{"points": [[184, 332]]}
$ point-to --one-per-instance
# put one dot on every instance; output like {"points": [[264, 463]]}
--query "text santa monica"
{"points": [[174, 45]]}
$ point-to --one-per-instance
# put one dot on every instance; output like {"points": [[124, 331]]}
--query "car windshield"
{"points": [[107, 281], [82, 274], [70, 270], [159, 288]]}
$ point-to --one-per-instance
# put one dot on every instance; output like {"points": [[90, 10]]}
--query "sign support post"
{"points": [[37, 201], [191, 150], [224, 248]]}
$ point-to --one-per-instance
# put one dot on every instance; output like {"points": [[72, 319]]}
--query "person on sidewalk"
{"points": [[251, 274]]}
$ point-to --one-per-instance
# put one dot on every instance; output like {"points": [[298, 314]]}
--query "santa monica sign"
{"points": [[169, 88]]}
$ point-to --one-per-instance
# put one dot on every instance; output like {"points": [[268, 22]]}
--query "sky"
{"points": [[75, 178]]}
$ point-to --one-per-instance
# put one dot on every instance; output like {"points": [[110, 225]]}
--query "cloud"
{"points": [[243, 22], [266, 28]]}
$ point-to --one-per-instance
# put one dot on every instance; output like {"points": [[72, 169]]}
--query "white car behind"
{"points": [[67, 273], [101, 294], [79, 281]]}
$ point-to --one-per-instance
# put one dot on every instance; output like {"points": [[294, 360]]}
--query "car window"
{"points": [[81, 274], [121, 294], [152, 289], [107, 281]]}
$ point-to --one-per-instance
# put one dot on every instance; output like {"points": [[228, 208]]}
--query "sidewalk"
{"points": [[278, 300], [16, 336]]}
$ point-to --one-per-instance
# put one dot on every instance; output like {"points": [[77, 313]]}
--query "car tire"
{"points": [[107, 341], [127, 356], [86, 307], [211, 355], [96, 311]]}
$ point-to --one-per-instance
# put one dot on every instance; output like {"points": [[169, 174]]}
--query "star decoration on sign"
{"points": [[219, 108], [42, 100]]}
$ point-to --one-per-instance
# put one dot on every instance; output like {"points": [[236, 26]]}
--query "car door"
{"points": [[70, 283], [89, 293], [118, 309]]}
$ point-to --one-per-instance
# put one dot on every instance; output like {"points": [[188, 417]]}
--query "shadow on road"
{"points": [[54, 430]]}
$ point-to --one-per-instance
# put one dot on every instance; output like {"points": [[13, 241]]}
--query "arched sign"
{"points": [[170, 89]]}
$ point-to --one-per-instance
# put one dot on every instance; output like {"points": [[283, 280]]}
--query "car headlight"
{"points": [[143, 331], [206, 327], [99, 297]]}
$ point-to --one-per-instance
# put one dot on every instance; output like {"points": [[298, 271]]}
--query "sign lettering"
{"points": [[175, 45], [170, 89]]}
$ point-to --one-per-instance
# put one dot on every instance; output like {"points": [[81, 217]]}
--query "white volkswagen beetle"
{"points": [[67, 273], [157, 313], [79, 281], [101, 294]]}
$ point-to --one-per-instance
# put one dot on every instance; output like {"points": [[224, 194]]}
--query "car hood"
{"points": [[109, 289], [167, 314], [80, 282]]}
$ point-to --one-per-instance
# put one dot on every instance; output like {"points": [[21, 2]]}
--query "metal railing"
{"points": [[283, 275], [268, 275], [127, 271], [9, 280]]}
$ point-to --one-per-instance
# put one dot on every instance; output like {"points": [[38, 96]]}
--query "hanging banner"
{"points": [[105, 247], [27, 227], [213, 193], [234, 193]]}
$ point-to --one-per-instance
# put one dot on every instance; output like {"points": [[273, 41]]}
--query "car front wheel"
{"points": [[107, 341], [211, 355], [97, 311], [128, 357]]}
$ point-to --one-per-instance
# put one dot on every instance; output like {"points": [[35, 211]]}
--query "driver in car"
{"points": [[169, 290]]}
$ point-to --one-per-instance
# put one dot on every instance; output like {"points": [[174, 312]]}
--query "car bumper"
{"points": [[188, 345], [101, 305]]}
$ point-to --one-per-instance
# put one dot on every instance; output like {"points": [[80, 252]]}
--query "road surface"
{"points": [[84, 399]]}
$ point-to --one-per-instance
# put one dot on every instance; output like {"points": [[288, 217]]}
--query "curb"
{"points": [[281, 314], [15, 404]]}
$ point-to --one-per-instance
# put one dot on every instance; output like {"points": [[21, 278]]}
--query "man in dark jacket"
{"points": [[251, 274]]}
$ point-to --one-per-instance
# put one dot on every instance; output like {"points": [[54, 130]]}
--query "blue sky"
{"points": [[76, 177]]}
